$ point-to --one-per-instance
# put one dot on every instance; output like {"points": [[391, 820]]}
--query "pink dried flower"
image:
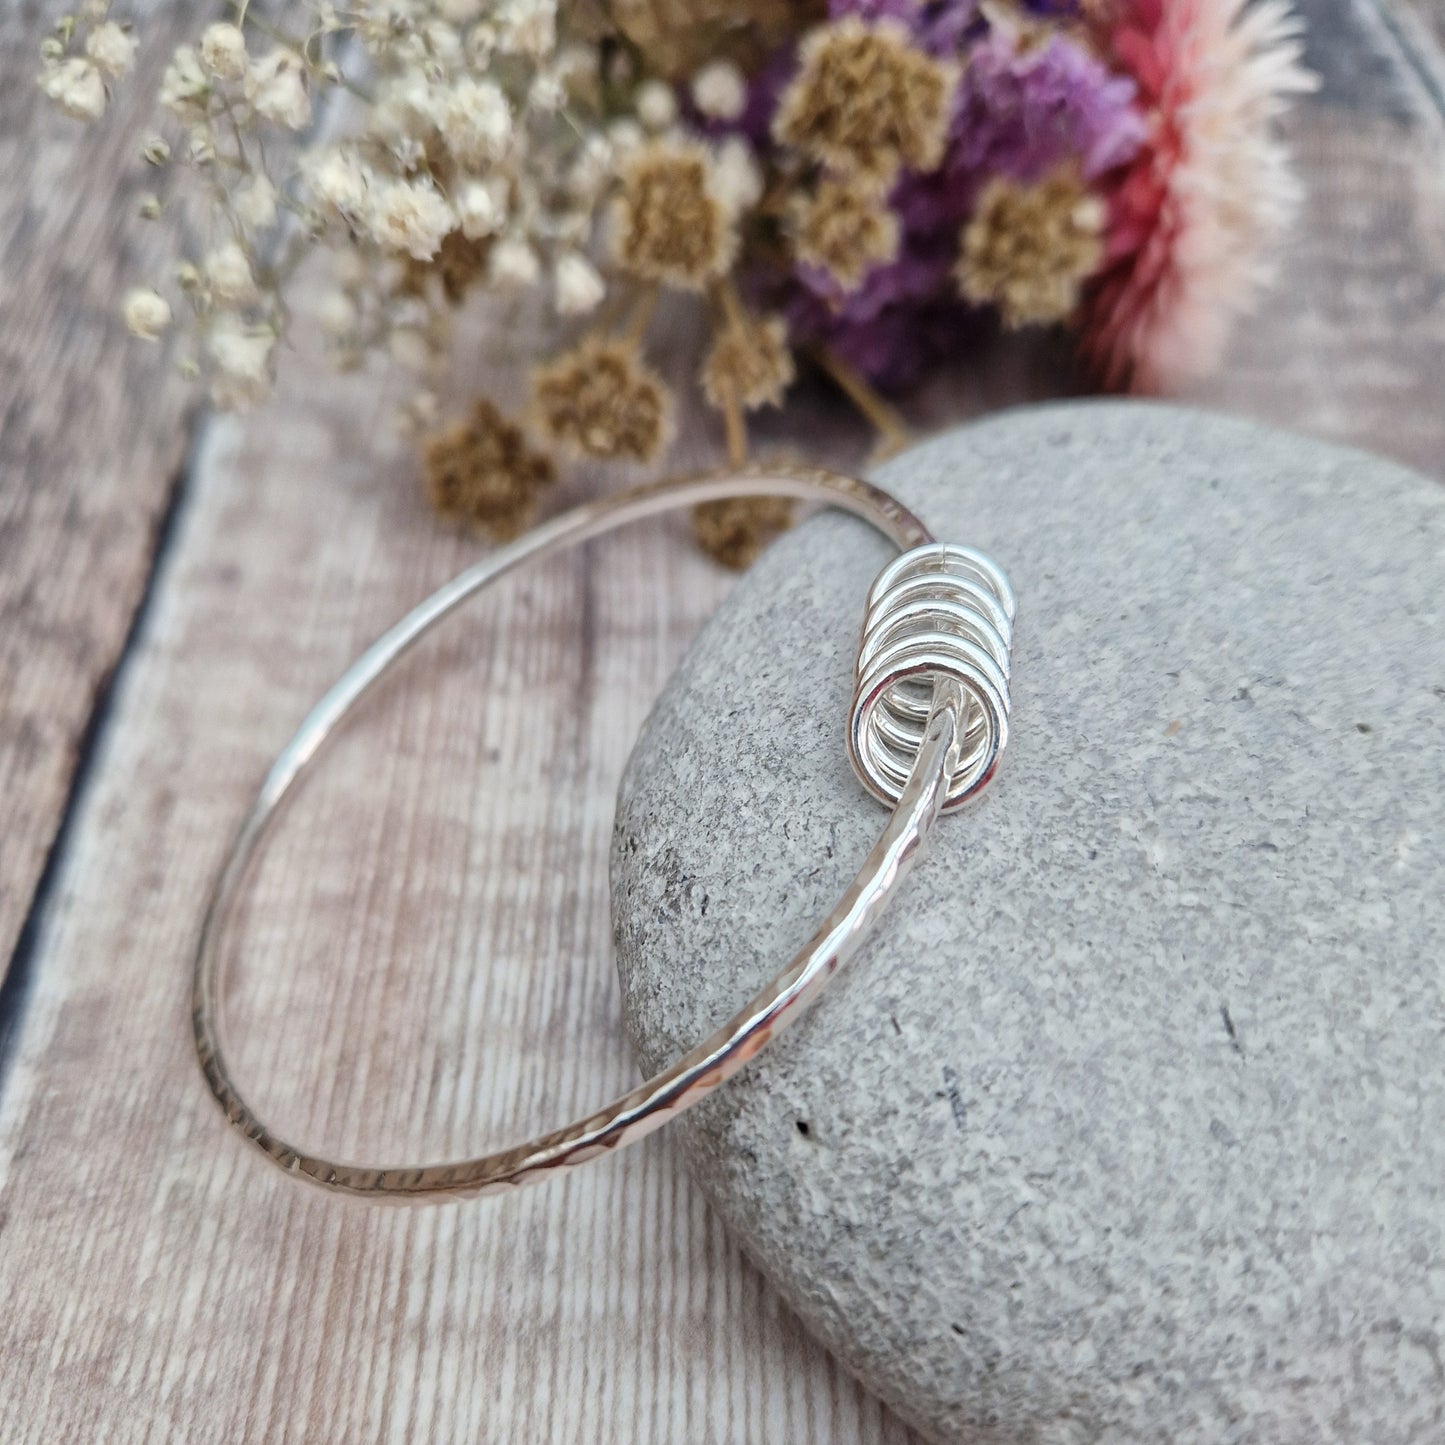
{"points": [[1198, 215]]}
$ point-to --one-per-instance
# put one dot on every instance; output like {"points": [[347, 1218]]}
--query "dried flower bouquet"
{"points": [[855, 183]]}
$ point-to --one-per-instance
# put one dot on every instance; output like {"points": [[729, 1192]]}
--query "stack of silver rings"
{"points": [[939, 609]]}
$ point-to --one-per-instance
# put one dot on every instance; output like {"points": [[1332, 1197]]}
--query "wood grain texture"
{"points": [[423, 965], [91, 436]]}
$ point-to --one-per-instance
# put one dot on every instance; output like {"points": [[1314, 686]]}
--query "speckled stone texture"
{"points": [[1129, 1124]]}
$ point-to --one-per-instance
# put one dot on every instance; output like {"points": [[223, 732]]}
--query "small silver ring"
{"points": [[940, 741]]}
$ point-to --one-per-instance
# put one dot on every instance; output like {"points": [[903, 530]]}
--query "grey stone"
{"points": [[1129, 1124]]}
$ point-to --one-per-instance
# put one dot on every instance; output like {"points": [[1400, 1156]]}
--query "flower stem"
{"points": [[893, 432]]}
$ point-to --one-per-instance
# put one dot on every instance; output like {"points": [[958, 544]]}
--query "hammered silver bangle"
{"points": [[929, 722]]}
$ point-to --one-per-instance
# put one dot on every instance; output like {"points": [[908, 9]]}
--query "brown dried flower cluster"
{"points": [[671, 225], [846, 229], [598, 400], [736, 529], [459, 264], [1029, 248], [864, 100], [748, 364], [482, 471]]}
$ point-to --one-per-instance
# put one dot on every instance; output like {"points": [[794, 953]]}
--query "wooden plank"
{"points": [[423, 966], [91, 434], [426, 970]]}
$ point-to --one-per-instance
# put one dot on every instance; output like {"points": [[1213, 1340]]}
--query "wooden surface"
{"points": [[424, 965]]}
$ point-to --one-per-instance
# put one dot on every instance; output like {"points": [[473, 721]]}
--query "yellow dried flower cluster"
{"points": [[483, 472], [748, 364], [865, 101], [598, 400], [670, 224], [846, 229], [735, 529], [1029, 248]]}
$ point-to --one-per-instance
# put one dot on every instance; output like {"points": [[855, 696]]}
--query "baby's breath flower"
{"points": [[147, 313], [527, 27], [514, 264], [76, 87], [1029, 249], [591, 169], [547, 94], [748, 364], [255, 203], [276, 86], [578, 287], [865, 100], [720, 90], [475, 121], [184, 86], [337, 315], [483, 472], [229, 272], [338, 179], [656, 104], [482, 208], [737, 177], [845, 229], [670, 225], [156, 151], [625, 135], [223, 51], [410, 216], [111, 48], [242, 357], [598, 400], [410, 349]]}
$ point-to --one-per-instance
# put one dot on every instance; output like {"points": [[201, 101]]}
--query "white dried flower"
{"points": [[592, 168], [577, 287], [527, 27], [720, 90], [336, 314], [76, 87], [410, 349], [338, 179], [625, 135], [184, 84], [350, 269], [736, 176], [410, 216], [475, 120], [276, 86], [229, 273], [482, 208], [443, 42], [242, 357], [656, 104], [223, 51], [255, 204], [147, 313], [514, 264], [460, 12], [548, 94], [405, 108], [111, 48]]}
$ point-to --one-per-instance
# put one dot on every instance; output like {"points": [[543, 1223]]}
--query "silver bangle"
{"points": [[930, 718]]}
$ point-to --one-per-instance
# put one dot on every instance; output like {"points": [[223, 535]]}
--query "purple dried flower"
{"points": [[1021, 113]]}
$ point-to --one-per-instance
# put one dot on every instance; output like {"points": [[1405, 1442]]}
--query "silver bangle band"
{"points": [[930, 718]]}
